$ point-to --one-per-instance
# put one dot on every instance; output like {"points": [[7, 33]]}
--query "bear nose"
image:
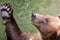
{"points": [[33, 16]]}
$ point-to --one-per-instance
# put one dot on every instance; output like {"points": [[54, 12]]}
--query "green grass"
{"points": [[23, 10]]}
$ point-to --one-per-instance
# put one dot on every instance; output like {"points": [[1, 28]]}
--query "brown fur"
{"points": [[49, 26], [12, 30]]}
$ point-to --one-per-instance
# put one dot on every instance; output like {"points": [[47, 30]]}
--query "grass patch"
{"points": [[23, 10]]}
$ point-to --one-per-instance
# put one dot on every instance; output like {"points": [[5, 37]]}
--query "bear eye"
{"points": [[46, 20]]}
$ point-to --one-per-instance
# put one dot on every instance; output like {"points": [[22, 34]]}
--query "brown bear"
{"points": [[49, 26]]}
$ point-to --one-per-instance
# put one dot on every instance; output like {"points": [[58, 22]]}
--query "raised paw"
{"points": [[6, 10]]}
